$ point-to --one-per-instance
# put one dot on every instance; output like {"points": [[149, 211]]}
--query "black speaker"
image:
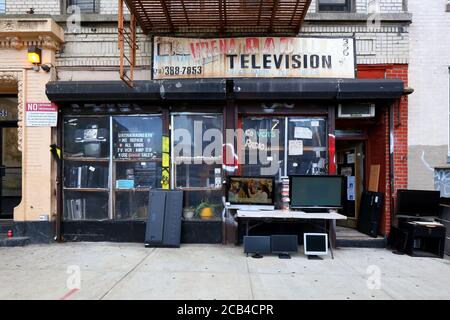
{"points": [[164, 218], [172, 220], [370, 213]]}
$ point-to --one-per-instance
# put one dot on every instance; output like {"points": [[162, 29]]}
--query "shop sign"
{"points": [[41, 114], [265, 57], [132, 145]]}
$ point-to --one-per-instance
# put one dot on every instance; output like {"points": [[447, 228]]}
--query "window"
{"points": [[335, 5], [86, 6], [2, 6], [301, 145], [110, 165], [197, 163]]}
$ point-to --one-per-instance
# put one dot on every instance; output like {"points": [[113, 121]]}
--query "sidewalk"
{"points": [[130, 271]]}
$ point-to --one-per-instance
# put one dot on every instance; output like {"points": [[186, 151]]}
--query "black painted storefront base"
{"points": [[37, 231], [206, 232]]}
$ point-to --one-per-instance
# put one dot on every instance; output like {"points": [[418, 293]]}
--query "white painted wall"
{"points": [[428, 136], [429, 72]]}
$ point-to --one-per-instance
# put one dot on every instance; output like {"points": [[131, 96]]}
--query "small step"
{"points": [[352, 238], [14, 241]]}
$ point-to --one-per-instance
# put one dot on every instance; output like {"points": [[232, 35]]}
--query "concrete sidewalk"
{"points": [[130, 271]]}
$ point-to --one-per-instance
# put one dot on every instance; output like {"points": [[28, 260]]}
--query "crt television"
{"points": [[315, 244], [418, 203], [250, 190], [322, 192]]}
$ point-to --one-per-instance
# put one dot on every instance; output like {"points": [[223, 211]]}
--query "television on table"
{"points": [[316, 192], [418, 203], [251, 191]]}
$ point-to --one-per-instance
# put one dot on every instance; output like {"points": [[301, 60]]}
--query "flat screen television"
{"points": [[420, 203], [250, 190], [321, 192]]}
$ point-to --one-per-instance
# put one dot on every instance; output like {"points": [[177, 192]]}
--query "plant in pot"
{"points": [[205, 210]]}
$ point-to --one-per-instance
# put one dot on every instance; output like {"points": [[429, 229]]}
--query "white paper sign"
{"points": [[351, 188], [295, 147], [351, 158], [302, 133], [41, 114]]}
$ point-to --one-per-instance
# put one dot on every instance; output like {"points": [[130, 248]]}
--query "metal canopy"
{"points": [[220, 90], [219, 16]]}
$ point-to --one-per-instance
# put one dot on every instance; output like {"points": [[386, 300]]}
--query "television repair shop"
{"points": [[297, 99]]}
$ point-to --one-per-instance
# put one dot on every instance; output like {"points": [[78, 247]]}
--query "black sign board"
{"points": [[138, 145]]}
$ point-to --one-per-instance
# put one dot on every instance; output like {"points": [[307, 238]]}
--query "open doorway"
{"points": [[10, 157], [351, 157]]}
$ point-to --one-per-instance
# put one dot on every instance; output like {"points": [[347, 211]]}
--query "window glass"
{"points": [[335, 5], [137, 150], [2, 6], [307, 146], [197, 162], [8, 108], [263, 144], [86, 6], [86, 168]]}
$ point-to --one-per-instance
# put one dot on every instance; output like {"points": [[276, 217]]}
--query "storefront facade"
{"points": [[106, 205]]}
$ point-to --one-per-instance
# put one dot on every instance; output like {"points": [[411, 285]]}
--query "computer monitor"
{"points": [[322, 192], [283, 245], [315, 244], [419, 203], [257, 244], [250, 190]]}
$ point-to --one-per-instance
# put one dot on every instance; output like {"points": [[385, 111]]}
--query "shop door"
{"points": [[10, 170], [351, 164]]}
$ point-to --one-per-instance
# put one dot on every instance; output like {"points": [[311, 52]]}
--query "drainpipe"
{"points": [[391, 162]]}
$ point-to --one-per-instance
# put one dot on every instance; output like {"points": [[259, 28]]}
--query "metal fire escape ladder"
{"points": [[127, 44]]}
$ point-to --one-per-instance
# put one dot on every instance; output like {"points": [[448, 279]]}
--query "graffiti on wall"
{"points": [[442, 182]]}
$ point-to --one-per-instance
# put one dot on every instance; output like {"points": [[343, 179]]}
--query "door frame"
{"points": [[5, 124]]}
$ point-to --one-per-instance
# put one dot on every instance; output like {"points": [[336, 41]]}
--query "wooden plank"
{"points": [[374, 178]]}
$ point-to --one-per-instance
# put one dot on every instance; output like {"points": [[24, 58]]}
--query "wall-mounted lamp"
{"points": [[34, 55]]}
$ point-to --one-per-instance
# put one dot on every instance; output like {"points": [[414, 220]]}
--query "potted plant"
{"points": [[205, 210]]}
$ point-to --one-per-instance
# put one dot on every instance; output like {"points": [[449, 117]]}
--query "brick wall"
{"points": [[40, 7], [379, 138]]}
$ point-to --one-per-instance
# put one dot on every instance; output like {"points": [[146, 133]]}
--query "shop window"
{"points": [[335, 5], [298, 146], [86, 6], [86, 168], [197, 163], [137, 162], [110, 165], [264, 146], [309, 139]]}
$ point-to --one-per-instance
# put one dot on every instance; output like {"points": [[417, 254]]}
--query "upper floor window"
{"points": [[335, 5], [86, 6], [2, 6]]}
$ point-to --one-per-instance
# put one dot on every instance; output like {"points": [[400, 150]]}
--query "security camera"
{"points": [[46, 67]]}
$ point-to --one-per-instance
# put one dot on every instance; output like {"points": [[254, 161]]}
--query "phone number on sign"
{"points": [[176, 71]]}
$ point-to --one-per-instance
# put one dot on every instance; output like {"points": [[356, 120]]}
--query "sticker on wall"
{"points": [[351, 188], [295, 147], [303, 133], [165, 160]]}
